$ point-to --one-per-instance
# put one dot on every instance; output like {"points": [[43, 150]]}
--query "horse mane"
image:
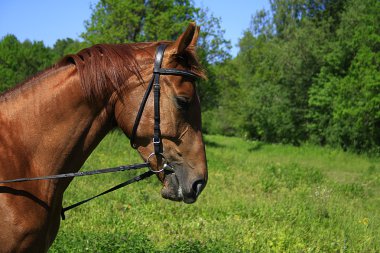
{"points": [[103, 68]]}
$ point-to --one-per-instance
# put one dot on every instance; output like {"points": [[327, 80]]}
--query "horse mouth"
{"points": [[171, 188], [174, 186]]}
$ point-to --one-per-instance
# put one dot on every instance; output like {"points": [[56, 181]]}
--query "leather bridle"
{"points": [[155, 83]]}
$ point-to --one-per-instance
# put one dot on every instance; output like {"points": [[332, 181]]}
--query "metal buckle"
{"points": [[156, 142]]}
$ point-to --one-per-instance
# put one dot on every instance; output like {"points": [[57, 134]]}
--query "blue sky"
{"points": [[47, 20]]}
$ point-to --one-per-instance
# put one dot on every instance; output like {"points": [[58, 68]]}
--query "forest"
{"points": [[307, 71]]}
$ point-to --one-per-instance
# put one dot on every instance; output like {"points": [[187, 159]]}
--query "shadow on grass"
{"points": [[213, 144], [255, 146]]}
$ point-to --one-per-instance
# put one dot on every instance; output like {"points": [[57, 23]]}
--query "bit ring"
{"points": [[163, 167]]}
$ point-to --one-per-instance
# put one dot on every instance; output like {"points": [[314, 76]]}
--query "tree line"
{"points": [[306, 71]]}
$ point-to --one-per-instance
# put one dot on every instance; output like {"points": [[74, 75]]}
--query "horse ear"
{"points": [[194, 41], [187, 39]]}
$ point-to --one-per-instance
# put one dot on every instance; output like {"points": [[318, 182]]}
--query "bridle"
{"points": [[155, 83], [157, 143]]}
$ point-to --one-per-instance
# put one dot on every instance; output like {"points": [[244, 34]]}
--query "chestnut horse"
{"points": [[51, 123]]}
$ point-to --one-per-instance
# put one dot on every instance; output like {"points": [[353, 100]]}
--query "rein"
{"points": [[158, 147], [140, 177]]}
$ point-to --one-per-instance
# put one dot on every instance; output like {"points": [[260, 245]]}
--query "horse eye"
{"points": [[182, 103]]}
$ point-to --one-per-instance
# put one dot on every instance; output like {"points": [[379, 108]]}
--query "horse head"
{"points": [[179, 114]]}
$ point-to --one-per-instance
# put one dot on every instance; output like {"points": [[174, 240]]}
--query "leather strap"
{"points": [[177, 72], [155, 82], [139, 114], [156, 91], [130, 181], [79, 173]]}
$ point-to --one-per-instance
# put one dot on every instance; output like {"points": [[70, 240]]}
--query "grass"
{"points": [[259, 198]]}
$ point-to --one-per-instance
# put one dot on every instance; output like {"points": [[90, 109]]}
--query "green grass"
{"points": [[259, 198]]}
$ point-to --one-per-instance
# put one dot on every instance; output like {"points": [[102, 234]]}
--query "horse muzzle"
{"points": [[174, 188]]}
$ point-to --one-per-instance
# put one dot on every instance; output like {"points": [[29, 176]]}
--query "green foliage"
{"points": [[153, 20], [212, 51], [222, 119], [212, 46], [259, 198], [66, 46], [345, 99], [135, 21], [21, 60], [306, 71]]}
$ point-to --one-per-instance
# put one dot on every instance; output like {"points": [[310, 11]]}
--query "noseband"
{"points": [[155, 82]]}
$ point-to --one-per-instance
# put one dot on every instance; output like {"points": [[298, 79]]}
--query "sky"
{"points": [[47, 20]]}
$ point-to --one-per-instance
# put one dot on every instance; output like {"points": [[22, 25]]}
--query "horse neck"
{"points": [[51, 125]]}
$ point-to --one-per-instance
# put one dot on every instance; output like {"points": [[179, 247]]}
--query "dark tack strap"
{"points": [[155, 82], [139, 114], [80, 173], [159, 57], [178, 72], [130, 181], [156, 92]]}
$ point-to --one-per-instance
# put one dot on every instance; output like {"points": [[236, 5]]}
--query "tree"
{"points": [[275, 73], [137, 20], [345, 99], [66, 46], [152, 20], [307, 70], [21, 60], [213, 50]]}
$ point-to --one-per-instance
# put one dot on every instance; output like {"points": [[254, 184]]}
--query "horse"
{"points": [[52, 122]]}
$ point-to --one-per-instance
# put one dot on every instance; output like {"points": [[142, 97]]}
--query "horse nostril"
{"points": [[198, 187]]}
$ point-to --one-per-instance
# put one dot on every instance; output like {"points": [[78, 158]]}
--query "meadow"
{"points": [[259, 198]]}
